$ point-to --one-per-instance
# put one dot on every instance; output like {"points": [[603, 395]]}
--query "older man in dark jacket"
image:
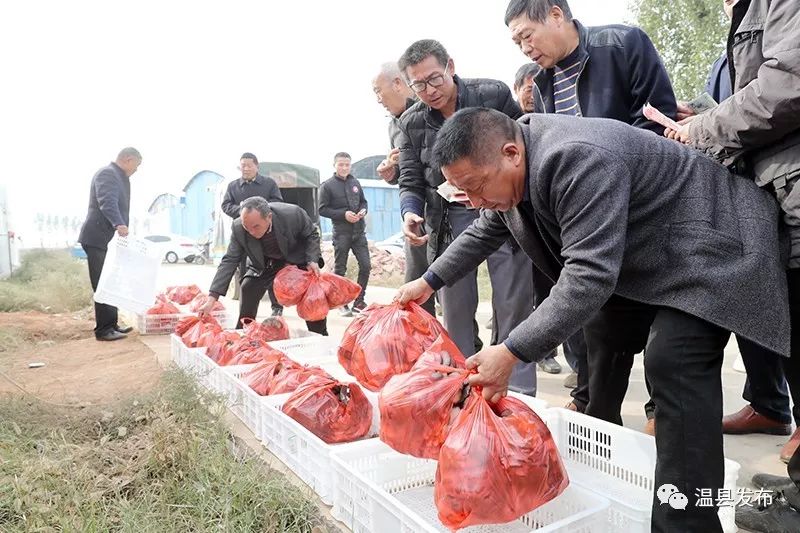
{"points": [[604, 72], [396, 97], [269, 237], [431, 74], [109, 207], [251, 184], [625, 223], [600, 71]]}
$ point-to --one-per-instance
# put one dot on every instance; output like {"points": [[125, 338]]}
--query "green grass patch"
{"points": [[163, 462], [48, 280]]}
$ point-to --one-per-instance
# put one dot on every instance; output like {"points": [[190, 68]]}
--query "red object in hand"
{"points": [[498, 463], [331, 410], [313, 295], [200, 300], [183, 294], [386, 340], [196, 328], [291, 284], [418, 407], [314, 305], [338, 290]]}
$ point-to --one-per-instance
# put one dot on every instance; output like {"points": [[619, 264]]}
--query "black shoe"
{"points": [[779, 517], [550, 366], [112, 335], [277, 312], [126, 329], [359, 306], [768, 481]]}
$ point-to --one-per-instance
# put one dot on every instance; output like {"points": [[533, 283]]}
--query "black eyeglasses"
{"points": [[437, 80]]}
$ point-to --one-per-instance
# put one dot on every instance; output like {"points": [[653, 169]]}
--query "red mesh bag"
{"points": [[271, 329], [388, 340], [291, 284], [183, 294], [314, 305], [417, 408], [260, 376], [200, 326], [498, 463], [244, 344], [223, 340], [200, 300], [348, 344], [163, 307], [287, 376], [331, 410], [250, 356], [208, 337], [338, 290]]}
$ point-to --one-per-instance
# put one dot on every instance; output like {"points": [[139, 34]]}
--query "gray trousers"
{"points": [[416, 265], [512, 299]]}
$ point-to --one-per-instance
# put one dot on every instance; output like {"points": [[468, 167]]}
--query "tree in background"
{"points": [[689, 35]]}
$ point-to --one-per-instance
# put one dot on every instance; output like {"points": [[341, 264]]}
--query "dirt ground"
{"points": [[78, 369]]}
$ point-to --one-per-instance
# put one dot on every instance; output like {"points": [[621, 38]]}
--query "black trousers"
{"points": [[105, 316], [684, 363], [276, 306], [344, 241], [253, 290], [613, 337]]}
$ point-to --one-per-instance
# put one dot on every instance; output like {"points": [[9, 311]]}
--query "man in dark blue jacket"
{"points": [[604, 72], [109, 205], [341, 199]]}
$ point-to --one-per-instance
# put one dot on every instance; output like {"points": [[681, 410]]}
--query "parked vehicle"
{"points": [[175, 247], [394, 244]]}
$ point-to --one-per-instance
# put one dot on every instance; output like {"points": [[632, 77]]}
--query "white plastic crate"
{"points": [[183, 356], [165, 324], [309, 350], [244, 402], [619, 464], [308, 456], [377, 489]]}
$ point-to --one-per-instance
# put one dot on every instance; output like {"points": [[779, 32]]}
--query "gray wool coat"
{"points": [[614, 209]]}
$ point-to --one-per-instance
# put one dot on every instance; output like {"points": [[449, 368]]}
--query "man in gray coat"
{"points": [[625, 223], [757, 130]]}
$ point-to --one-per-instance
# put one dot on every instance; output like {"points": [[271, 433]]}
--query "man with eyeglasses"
{"points": [[430, 73], [251, 184]]}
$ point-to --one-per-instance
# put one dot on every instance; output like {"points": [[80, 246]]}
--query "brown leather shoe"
{"points": [[790, 447], [650, 427], [572, 407], [746, 420]]}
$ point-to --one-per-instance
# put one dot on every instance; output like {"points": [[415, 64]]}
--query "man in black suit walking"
{"points": [[109, 205]]}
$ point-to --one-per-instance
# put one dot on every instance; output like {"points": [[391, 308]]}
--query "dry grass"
{"points": [[164, 462], [49, 281]]}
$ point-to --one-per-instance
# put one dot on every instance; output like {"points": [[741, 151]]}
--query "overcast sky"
{"points": [[193, 84]]}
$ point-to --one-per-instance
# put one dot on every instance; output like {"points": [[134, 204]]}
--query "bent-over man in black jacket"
{"points": [[268, 237]]}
